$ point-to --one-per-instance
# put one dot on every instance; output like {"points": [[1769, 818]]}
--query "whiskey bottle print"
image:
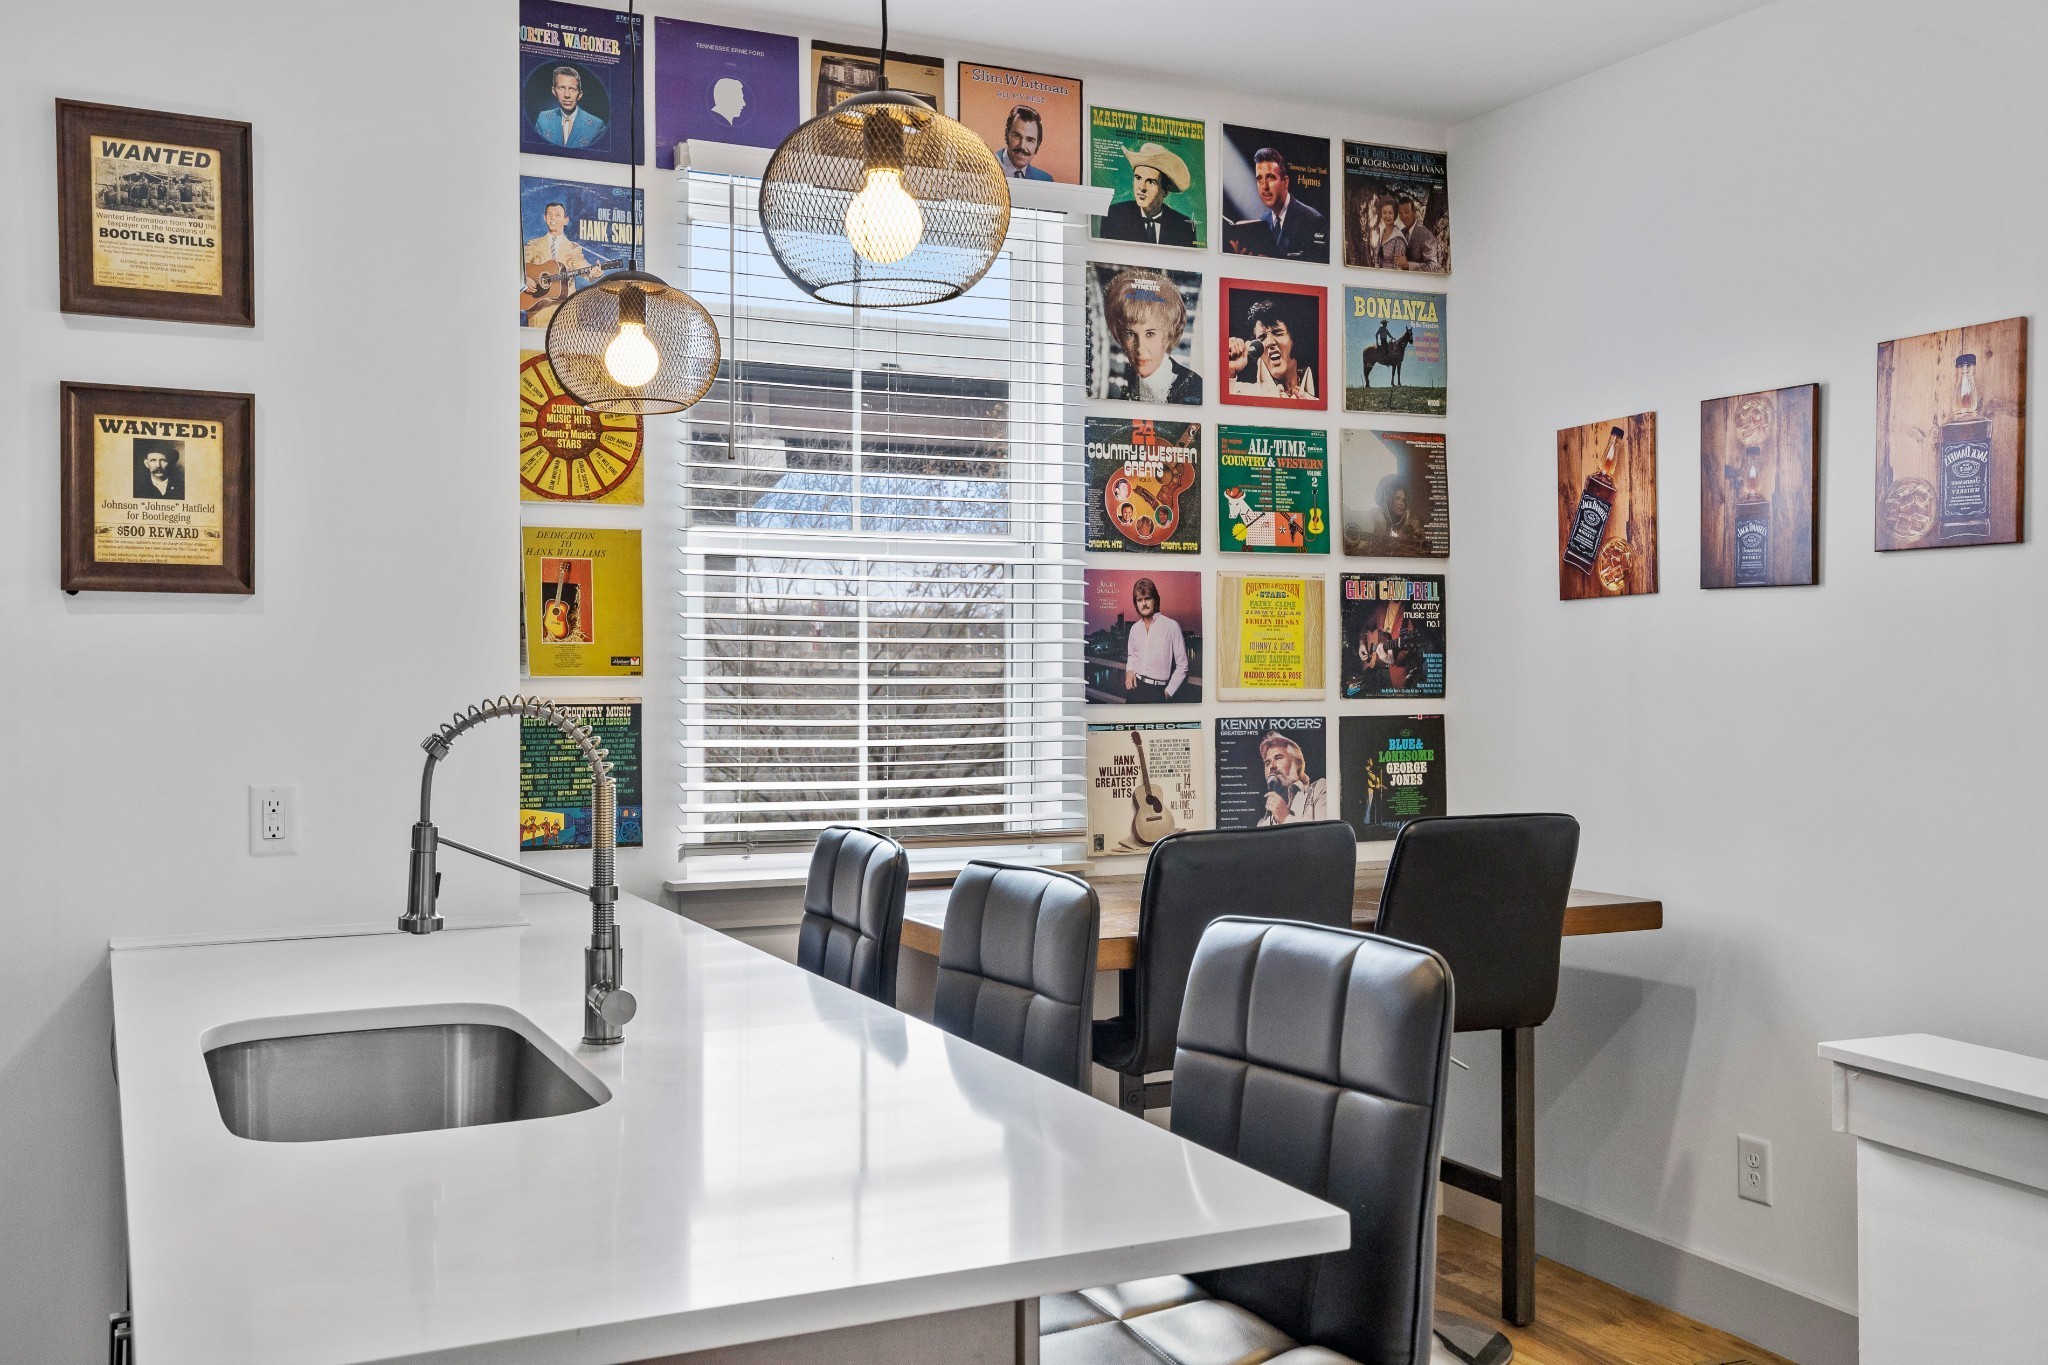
{"points": [[1596, 505], [1752, 506], [1963, 459]]}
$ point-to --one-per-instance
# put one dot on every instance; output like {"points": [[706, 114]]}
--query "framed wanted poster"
{"points": [[158, 490], [154, 216]]}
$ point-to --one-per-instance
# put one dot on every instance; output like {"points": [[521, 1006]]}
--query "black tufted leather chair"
{"points": [[1489, 893], [1017, 970], [1315, 1055], [1298, 872], [853, 911]]}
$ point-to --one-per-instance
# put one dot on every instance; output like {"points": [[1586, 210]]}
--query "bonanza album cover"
{"points": [[1144, 482], [1394, 352]]}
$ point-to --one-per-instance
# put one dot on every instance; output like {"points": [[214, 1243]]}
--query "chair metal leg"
{"points": [[1518, 1175], [1134, 1095], [1472, 1341]]}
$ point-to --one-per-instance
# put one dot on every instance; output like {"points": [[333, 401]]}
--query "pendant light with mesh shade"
{"points": [[884, 203], [632, 342]]}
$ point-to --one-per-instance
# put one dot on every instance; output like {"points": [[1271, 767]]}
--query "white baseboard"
{"points": [[1773, 1317]]}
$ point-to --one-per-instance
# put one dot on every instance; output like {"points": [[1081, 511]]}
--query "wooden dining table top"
{"points": [[1587, 912]]}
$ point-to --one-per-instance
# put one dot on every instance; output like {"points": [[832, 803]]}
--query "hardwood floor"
{"points": [[1579, 1320]]}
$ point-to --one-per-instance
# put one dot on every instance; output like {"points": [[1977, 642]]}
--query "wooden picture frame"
{"points": [[1952, 438], [154, 215], [158, 490]]}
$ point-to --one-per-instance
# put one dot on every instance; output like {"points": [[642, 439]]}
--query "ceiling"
{"points": [[1435, 61]]}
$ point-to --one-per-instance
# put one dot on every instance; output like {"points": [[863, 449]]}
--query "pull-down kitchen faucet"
{"points": [[606, 1005]]}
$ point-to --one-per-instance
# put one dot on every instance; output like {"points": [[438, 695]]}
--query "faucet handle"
{"points": [[615, 1006]]}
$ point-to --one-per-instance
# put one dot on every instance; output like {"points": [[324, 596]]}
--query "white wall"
{"points": [[386, 556], [1836, 790]]}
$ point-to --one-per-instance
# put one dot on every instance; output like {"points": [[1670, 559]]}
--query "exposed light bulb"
{"points": [[631, 358], [883, 222]]}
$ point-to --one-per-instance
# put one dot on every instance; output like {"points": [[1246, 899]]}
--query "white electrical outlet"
{"points": [[273, 820], [1753, 1169]]}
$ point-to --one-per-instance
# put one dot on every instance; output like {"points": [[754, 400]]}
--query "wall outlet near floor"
{"points": [[273, 820], [1753, 1169]]}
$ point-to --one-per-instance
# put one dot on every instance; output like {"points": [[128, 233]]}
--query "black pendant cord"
{"points": [[633, 152], [882, 66]]}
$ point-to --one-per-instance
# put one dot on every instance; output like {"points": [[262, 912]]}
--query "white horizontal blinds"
{"points": [[879, 607]]}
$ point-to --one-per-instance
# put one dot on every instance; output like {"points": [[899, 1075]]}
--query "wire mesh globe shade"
{"points": [[883, 203], [633, 343]]}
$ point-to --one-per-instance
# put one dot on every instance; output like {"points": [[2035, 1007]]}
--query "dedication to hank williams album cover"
{"points": [[582, 612]]}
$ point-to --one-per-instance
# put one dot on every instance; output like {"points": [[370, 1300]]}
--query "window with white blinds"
{"points": [[879, 595]]}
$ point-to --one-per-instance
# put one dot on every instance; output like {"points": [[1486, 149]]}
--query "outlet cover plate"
{"points": [[1753, 1169], [273, 821]]}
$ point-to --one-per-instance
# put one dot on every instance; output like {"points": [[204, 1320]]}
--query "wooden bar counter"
{"points": [[1588, 912]]}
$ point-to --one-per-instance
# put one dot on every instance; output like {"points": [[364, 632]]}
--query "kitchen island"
{"points": [[769, 1158]]}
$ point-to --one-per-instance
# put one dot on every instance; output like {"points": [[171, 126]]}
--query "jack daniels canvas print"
{"points": [[1951, 437], [1759, 495]]}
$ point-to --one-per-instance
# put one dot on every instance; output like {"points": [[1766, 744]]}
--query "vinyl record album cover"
{"points": [[719, 84], [1144, 783], [1393, 769], [555, 803], [1144, 484], [578, 69], [582, 614], [1272, 770], [1393, 635]]}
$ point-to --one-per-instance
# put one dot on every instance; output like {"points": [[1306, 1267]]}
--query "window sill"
{"points": [[929, 866]]}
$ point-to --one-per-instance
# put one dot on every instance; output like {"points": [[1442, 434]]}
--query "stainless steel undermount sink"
{"points": [[365, 1073]]}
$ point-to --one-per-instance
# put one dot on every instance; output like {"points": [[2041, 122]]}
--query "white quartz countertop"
{"points": [[1948, 1064], [778, 1156]]}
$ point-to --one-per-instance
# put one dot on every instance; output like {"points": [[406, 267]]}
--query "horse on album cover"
{"points": [[1390, 353]]}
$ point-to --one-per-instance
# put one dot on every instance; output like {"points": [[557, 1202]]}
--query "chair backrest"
{"points": [[1300, 872], [1017, 969], [1318, 1056], [853, 911], [1489, 893]]}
